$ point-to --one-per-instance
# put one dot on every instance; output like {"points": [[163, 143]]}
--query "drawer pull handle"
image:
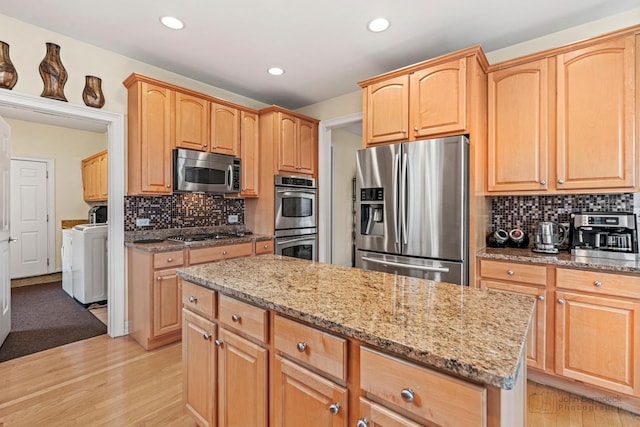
{"points": [[541, 297], [235, 317], [560, 300], [169, 259], [597, 283], [362, 423], [335, 408], [206, 336], [224, 252], [510, 272], [218, 342], [407, 394], [302, 346], [193, 300]]}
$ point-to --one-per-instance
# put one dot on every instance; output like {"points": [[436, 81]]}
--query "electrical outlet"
{"points": [[233, 219], [142, 222]]}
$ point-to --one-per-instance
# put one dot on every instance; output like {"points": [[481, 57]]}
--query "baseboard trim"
{"points": [[36, 280]]}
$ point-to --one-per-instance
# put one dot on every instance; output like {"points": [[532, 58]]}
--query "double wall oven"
{"points": [[295, 217]]}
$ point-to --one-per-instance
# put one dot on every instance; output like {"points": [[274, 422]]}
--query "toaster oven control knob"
{"points": [[543, 182], [597, 283]]}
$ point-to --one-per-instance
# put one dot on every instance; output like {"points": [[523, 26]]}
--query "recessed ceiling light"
{"points": [[275, 71], [377, 25], [172, 22]]}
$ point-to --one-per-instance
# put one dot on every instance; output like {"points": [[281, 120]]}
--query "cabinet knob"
{"points": [[169, 259], [205, 145], [362, 423], [543, 182], [266, 246], [193, 300], [560, 300], [597, 283], [407, 394], [404, 131], [235, 317], [561, 181], [302, 346], [218, 342], [224, 252], [510, 272], [159, 278], [334, 408], [206, 336], [168, 185], [541, 297], [415, 129]]}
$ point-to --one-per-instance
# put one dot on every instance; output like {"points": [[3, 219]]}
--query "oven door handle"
{"points": [[287, 192], [411, 266], [297, 239]]}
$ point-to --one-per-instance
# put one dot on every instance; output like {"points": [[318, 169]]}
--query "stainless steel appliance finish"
{"points": [[193, 238], [295, 202], [200, 172], [611, 235], [413, 207], [303, 246], [549, 236]]}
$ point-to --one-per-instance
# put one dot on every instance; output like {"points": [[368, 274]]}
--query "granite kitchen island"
{"points": [[399, 347]]}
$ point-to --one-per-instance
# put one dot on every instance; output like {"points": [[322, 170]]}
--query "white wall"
{"points": [[67, 147], [345, 145]]}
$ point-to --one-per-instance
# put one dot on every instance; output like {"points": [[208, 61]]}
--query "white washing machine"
{"points": [[66, 252], [89, 263]]}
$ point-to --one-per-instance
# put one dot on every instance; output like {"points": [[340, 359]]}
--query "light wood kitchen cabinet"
{"points": [[216, 253], [199, 356], [249, 153], [297, 145], [150, 136], [154, 297], [597, 332], [374, 415], [563, 120], [225, 129], [95, 179], [421, 101], [264, 247], [192, 122]]}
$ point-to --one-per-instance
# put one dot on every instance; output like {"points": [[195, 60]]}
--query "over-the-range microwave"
{"points": [[200, 172]]}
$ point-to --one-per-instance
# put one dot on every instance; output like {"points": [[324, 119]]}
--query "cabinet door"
{"points": [[249, 153], [537, 338], [301, 395], [386, 113], [597, 341], [287, 145], [225, 130], [439, 99], [155, 140], [87, 177], [103, 166], [374, 415], [199, 374], [307, 147], [167, 301], [191, 122], [242, 382], [595, 145], [517, 147]]}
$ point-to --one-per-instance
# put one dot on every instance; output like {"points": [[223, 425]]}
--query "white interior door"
{"points": [[29, 218], [5, 277]]}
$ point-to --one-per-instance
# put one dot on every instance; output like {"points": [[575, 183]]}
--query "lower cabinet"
{"points": [[374, 415]]}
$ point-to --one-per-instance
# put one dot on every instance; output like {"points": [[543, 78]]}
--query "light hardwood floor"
{"points": [[103, 381]]}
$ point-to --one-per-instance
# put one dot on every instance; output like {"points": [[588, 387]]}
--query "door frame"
{"points": [[54, 112], [325, 180], [51, 207]]}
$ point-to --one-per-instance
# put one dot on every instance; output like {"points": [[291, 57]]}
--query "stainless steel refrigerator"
{"points": [[412, 209]]}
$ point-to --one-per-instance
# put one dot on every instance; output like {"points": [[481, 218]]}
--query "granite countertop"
{"points": [[162, 245], [563, 259], [478, 335]]}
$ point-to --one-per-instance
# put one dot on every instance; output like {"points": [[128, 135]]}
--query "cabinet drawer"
{"points": [[243, 317], [598, 282], [319, 349], [216, 253], [514, 272], [435, 396], [168, 259], [264, 247], [199, 299]]}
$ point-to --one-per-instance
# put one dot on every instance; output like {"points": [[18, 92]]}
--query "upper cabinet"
{"points": [[162, 117], [421, 101], [95, 177], [564, 121], [297, 145]]}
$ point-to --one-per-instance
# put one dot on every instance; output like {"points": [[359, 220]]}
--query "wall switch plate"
{"points": [[142, 222], [233, 219]]}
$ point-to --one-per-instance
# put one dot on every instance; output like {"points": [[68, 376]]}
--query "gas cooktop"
{"points": [[190, 238]]}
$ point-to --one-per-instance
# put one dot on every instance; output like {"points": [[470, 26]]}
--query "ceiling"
{"points": [[324, 46]]}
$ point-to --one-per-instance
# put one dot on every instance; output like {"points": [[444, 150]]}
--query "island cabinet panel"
{"points": [[301, 395], [244, 318], [374, 415], [199, 299], [422, 392], [264, 247], [243, 384], [199, 363], [192, 126]]}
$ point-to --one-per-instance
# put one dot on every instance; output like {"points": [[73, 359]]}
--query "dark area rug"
{"points": [[43, 317]]}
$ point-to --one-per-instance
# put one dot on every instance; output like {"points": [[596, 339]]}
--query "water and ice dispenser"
{"points": [[372, 211]]}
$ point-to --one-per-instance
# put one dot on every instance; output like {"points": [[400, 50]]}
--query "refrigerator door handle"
{"points": [[401, 265], [403, 199], [396, 218]]}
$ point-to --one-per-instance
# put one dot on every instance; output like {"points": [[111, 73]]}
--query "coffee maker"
{"points": [[604, 235]]}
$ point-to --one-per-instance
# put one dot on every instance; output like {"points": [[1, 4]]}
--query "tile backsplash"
{"points": [[181, 210], [524, 212]]}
